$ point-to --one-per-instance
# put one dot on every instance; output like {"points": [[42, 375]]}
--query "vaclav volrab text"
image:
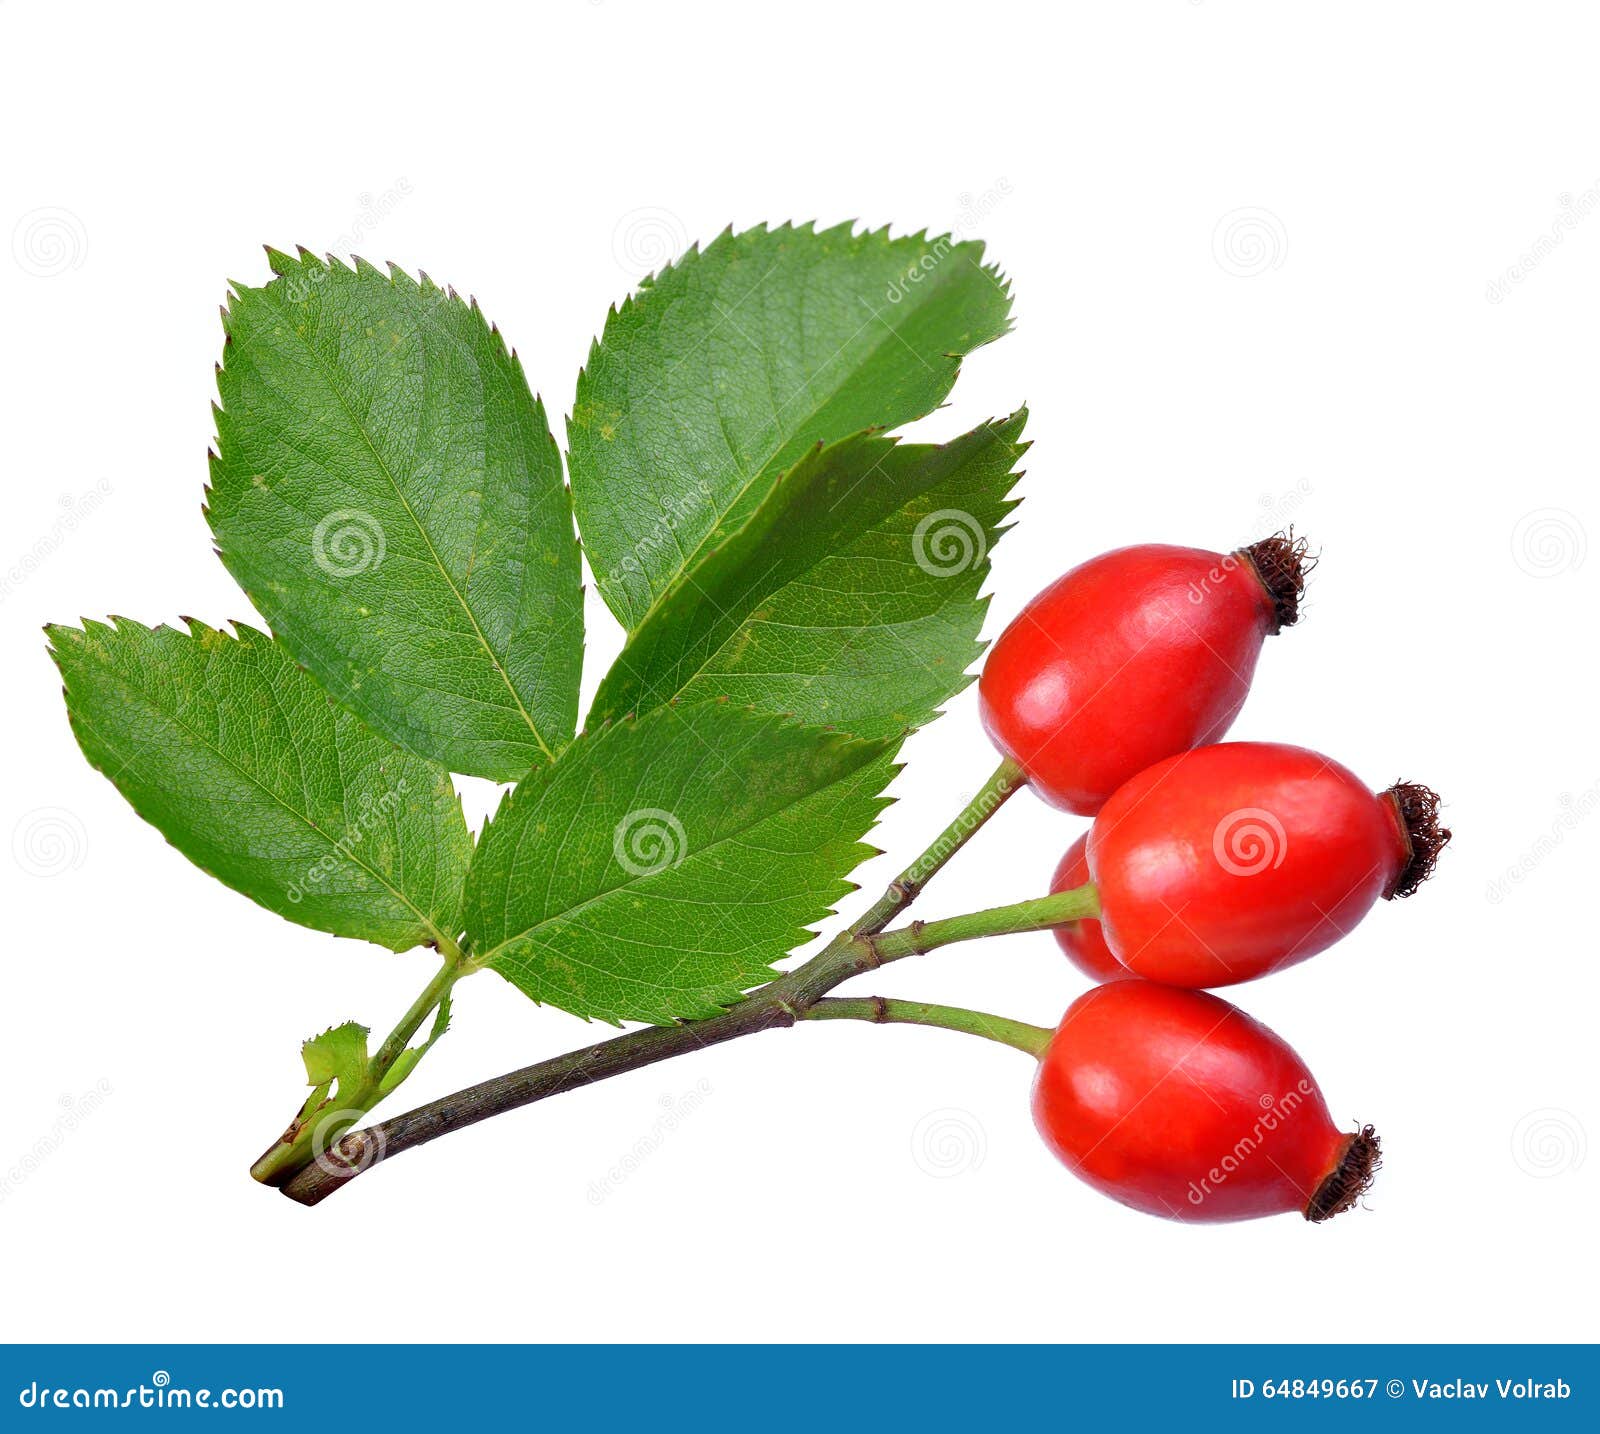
{"points": [[1505, 1388]]}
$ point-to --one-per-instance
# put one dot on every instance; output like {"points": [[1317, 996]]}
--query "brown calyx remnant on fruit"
{"points": [[1351, 1178], [1281, 563], [1426, 837]]}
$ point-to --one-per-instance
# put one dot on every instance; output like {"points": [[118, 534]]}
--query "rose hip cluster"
{"points": [[1213, 863]]}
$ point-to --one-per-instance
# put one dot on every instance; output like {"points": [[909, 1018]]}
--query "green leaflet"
{"points": [[851, 597], [239, 759], [339, 1067], [387, 491], [657, 870], [722, 370], [337, 1057]]}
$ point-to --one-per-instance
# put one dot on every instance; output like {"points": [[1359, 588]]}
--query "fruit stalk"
{"points": [[883, 1011], [783, 1002], [862, 947], [1006, 780]]}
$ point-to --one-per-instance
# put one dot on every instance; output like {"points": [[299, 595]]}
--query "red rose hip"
{"points": [[1178, 1104], [1224, 863], [1082, 940], [1131, 657]]}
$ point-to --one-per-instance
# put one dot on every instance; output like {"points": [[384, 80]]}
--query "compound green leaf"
{"points": [[658, 868], [851, 597], [387, 491], [728, 365], [240, 760]]}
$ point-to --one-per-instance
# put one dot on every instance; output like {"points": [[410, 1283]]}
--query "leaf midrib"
{"points": [[383, 467]]}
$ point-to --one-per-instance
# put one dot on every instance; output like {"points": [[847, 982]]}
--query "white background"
{"points": [[1340, 356]]}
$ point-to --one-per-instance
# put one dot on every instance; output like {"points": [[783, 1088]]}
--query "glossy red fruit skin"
{"points": [[1181, 1105], [1224, 863], [1082, 940], [1128, 658]]}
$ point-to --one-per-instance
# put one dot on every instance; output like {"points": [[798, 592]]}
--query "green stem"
{"points": [[881, 1011], [789, 999], [1039, 914], [861, 947], [316, 1122], [453, 969], [1004, 781]]}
